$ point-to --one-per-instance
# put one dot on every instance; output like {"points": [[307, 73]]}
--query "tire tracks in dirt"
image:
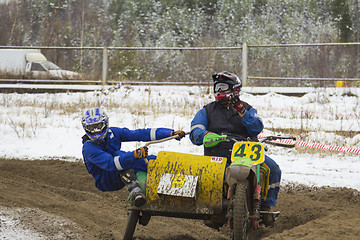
{"points": [[58, 200]]}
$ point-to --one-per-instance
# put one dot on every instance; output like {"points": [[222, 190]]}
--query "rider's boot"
{"points": [[267, 216], [137, 196]]}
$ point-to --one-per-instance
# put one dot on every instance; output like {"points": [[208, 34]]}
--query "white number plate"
{"points": [[177, 185]]}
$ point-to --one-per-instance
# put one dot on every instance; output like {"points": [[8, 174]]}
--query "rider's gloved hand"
{"points": [[180, 133], [238, 105], [212, 139], [141, 152]]}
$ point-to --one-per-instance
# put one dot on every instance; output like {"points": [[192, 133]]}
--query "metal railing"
{"points": [[245, 49]]}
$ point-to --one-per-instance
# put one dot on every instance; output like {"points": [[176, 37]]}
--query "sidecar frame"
{"points": [[207, 203]]}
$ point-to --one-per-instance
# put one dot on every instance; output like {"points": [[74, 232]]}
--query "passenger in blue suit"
{"points": [[228, 115], [111, 167]]}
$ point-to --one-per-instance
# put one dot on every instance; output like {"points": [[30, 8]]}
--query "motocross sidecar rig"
{"points": [[197, 187], [183, 186]]}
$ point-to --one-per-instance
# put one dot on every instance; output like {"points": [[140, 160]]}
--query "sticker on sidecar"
{"points": [[216, 159], [177, 185]]}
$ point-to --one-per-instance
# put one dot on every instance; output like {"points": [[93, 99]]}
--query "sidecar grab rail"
{"points": [[164, 139], [159, 141]]}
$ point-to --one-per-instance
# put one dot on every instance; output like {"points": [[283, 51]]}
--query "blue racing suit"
{"points": [[105, 161], [220, 119]]}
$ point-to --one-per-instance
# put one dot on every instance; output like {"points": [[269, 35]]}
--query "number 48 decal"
{"points": [[252, 150]]}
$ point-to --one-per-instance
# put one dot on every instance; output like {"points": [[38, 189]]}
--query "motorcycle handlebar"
{"points": [[273, 138], [268, 139], [273, 141]]}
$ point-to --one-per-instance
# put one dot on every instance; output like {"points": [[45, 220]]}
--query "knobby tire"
{"points": [[242, 221]]}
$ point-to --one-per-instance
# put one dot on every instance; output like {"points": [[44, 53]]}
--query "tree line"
{"points": [[181, 23]]}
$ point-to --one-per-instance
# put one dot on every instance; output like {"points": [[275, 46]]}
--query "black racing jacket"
{"points": [[224, 120]]}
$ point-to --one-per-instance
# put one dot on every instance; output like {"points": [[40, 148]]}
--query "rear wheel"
{"points": [[131, 224], [241, 212]]}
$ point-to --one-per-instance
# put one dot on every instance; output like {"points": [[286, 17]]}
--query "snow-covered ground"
{"points": [[43, 126], [47, 126]]}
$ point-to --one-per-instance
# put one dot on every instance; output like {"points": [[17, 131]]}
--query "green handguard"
{"points": [[213, 139]]}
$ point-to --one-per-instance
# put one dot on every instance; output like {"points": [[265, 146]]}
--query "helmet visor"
{"points": [[221, 87], [96, 128]]}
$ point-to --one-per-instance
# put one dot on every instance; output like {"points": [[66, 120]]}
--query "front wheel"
{"points": [[241, 213], [131, 224]]}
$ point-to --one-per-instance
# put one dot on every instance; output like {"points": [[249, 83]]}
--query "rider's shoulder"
{"points": [[211, 104]]}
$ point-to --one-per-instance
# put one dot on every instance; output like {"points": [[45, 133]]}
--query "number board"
{"points": [[177, 185], [251, 150]]}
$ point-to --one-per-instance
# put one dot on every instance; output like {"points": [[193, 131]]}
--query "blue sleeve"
{"points": [[99, 157], [198, 127], [145, 134], [124, 160], [252, 122], [103, 167]]}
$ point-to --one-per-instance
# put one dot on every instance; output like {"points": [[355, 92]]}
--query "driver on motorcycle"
{"points": [[111, 167], [228, 115]]}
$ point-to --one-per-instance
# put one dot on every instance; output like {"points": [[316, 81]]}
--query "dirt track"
{"points": [[44, 193]]}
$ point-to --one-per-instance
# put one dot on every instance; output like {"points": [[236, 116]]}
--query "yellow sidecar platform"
{"points": [[185, 183]]}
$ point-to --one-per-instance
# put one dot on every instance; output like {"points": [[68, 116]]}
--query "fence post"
{"points": [[244, 64], [104, 66]]}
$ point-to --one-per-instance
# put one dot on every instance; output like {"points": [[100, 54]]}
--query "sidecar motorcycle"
{"points": [[202, 187]]}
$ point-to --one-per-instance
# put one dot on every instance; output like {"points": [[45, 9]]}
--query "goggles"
{"points": [[221, 87], [96, 128]]}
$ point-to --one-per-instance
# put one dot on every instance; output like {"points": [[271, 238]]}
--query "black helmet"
{"points": [[224, 81], [226, 77]]}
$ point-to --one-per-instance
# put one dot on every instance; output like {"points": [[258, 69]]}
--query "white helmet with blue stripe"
{"points": [[96, 124]]}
